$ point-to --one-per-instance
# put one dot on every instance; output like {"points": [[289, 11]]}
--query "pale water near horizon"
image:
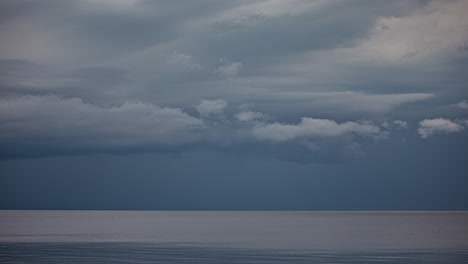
{"points": [[232, 237]]}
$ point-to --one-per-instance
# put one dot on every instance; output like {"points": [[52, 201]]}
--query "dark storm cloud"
{"points": [[129, 75]]}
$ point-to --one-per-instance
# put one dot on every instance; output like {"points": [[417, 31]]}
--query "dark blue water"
{"points": [[232, 237]]}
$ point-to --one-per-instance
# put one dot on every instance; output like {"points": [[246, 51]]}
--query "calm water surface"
{"points": [[232, 237]]}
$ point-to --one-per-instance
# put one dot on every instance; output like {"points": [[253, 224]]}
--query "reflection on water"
{"points": [[180, 253], [233, 237]]}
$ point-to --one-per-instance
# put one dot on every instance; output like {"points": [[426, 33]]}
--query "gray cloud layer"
{"points": [[51, 125], [111, 75]]}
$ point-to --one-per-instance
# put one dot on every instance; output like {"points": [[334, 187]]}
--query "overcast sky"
{"points": [[234, 105]]}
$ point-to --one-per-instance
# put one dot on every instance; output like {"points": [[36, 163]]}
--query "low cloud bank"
{"points": [[53, 125]]}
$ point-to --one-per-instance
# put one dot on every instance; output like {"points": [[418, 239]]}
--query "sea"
{"points": [[233, 237]]}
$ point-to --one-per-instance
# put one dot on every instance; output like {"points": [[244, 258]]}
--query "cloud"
{"points": [[437, 29], [400, 124], [314, 128], [430, 127], [53, 124], [334, 105], [462, 105], [229, 71], [395, 124], [248, 115], [178, 58], [316, 140], [211, 107], [350, 52], [349, 100], [334, 60]]}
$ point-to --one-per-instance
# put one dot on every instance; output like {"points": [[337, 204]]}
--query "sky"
{"points": [[234, 105]]}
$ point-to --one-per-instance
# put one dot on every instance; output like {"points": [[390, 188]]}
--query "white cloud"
{"points": [[315, 128], [396, 124], [51, 122], [209, 107], [429, 127], [229, 71], [399, 124], [463, 122], [249, 115], [462, 104]]}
